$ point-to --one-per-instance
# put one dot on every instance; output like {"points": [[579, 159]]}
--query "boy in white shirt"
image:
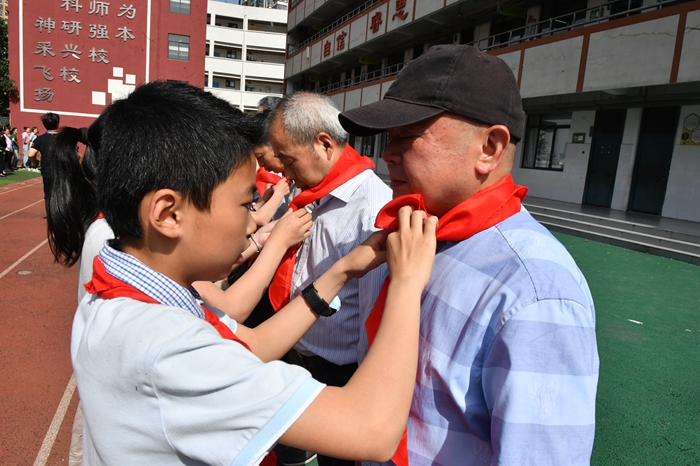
{"points": [[164, 379]]}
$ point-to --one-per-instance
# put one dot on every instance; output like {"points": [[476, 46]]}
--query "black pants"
{"points": [[7, 159], [48, 183]]}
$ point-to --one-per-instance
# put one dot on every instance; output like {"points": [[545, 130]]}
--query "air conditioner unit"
{"points": [[231, 54], [231, 83], [251, 58]]}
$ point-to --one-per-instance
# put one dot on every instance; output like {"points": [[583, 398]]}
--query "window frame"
{"points": [[539, 126], [178, 6], [172, 39]]}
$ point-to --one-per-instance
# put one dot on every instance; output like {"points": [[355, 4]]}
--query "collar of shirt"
{"points": [[345, 191], [130, 270]]}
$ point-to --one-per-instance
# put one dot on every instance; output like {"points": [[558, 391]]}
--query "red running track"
{"points": [[37, 302]]}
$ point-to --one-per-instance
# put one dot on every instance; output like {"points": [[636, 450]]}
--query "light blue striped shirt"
{"points": [[342, 220], [508, 362]]}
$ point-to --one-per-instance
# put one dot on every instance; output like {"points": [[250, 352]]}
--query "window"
{"points": [[180, 6], [545, 141], [178, 47], [231, 83]]}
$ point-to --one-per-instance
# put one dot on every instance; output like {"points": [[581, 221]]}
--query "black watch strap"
{"points": [[316, 302]]}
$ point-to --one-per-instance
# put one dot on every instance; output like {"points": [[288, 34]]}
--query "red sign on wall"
{"points": [[340, 41], [74, 52]]}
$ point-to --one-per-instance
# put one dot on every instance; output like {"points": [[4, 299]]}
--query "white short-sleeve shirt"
{"points": [[160, 386], [95, 237]]}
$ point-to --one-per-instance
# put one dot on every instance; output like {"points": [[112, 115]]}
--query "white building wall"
{"points": [[551, 69], [683, 191], [566, 185], [260, 65], [625, 164], [631, 56], [689, 68]]}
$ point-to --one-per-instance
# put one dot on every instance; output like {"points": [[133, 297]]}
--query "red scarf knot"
{"points": [[263, 178]]}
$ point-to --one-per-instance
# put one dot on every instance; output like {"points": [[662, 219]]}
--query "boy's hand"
{"points": [[263, 233], [411, 249], [282, 187], [269, 192], [367, 256], [292, 229]]}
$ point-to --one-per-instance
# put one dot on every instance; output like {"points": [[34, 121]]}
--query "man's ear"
{"points": [[495, 141], [164, 212], [326, 142]]}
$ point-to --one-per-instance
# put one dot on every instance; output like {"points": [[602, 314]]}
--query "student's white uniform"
{"points": [[95, 236], [160, 386]]}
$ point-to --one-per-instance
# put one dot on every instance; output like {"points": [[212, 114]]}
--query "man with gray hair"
{"points": [[344, 195]]}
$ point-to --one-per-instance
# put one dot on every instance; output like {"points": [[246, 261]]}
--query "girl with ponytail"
{"points": [[76, 230]]}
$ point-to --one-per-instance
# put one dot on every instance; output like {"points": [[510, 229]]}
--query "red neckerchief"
{"points": [[487, 208], [349, 165], [99, 216], [107, 286], [263, 178]]}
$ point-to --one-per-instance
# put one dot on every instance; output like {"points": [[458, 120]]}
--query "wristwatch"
{"points": [[318, 304]]}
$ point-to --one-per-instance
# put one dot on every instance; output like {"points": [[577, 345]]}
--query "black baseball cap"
{"points": [[458, 79]]}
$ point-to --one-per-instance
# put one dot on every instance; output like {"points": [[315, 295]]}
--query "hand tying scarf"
{"points": [[485, 209], [107, 286], [349, 165], [263, 178]]}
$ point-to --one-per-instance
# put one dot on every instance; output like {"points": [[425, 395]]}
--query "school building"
{"points": [[73, 57], [611, 88], [245, 50]]}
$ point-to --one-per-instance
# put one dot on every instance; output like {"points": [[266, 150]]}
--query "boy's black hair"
{"points": [[50, 121], [167, 135]]}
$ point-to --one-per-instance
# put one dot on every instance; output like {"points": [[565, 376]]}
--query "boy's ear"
{"points": [[165, 211]]}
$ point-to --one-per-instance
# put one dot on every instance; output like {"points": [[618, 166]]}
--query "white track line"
{"points": [[19, 261], [21, 187], [55, 426], [20, 210]]}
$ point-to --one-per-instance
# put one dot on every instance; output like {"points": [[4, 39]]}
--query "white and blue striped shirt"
{"points": [[159, 385], [132, 271], [508, 362], [342, 221]]}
